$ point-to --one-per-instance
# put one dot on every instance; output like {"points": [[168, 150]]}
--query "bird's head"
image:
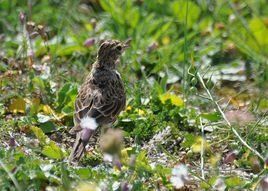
{"points": [[109, 53]]}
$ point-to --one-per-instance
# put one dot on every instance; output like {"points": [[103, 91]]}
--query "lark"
{"points": [[101, 97]]}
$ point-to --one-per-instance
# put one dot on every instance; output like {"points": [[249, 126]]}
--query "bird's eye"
{"points": [[119, 48]]}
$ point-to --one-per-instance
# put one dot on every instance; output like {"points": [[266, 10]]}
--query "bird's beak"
{"points": [[126, 44]]}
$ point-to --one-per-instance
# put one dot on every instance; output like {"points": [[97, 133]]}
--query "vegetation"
{"points": [[196, 77]]}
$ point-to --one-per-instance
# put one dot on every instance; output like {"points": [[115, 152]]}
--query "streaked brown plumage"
{"points": [[101, 97]]}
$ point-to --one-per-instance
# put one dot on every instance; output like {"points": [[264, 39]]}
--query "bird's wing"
{"points": [[112, 101], [102, 105], [83, 105]]}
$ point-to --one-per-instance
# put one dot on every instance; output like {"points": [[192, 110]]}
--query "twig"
{"points": [[226, 120], [11, 176]]}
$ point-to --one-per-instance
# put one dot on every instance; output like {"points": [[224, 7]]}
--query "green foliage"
{"points": [[215, 116], [233, 182], [180, 8], [50, 149], [66, 98], [224, 41]]}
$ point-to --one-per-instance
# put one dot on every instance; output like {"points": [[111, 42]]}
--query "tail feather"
{"points": [[79, 147]]}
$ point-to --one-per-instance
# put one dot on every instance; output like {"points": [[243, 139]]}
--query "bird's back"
{"points": [[101, 96]]}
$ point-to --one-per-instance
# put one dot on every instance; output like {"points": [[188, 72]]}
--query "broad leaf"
{"points": [[17, 105], [52, 151]]}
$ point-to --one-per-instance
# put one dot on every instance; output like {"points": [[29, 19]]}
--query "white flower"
{"points": [[179, 176]]}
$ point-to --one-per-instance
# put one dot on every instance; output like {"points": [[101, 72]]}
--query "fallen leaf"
{"points": [[17, 105], [47, 110], [230, 157]]}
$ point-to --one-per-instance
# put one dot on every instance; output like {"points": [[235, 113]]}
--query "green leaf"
{"points": [[40, 135], [234, 181], [115, 11], [38, 82], [179, 11], [65, 178], [260, 31], [34, 106], [162, 29], [2, 109], [189, 140], [52, 151], [66, 96], [142, 162], [213, 117], [263, 105], [105, 5], [164, 172], [84, 173], [48, 127], [133, 17], [207, 185], [68, 109], [70, 49]]}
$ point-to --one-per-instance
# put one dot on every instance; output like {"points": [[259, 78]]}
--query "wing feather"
{"points": [[103, 104]]}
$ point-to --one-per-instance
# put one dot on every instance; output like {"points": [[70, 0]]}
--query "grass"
{"points": [[196, 87]]}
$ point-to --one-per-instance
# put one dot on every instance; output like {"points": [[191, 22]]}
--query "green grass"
{"points": [[190, 63]]}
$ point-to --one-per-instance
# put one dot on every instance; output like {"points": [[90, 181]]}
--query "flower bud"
{"points": [[89, 42]]}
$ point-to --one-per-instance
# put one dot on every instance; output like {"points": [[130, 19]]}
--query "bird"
{"points": [[100, 98]]}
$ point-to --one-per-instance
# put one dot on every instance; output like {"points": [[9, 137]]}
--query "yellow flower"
{"points": [[175, 100], [128, 108], [140, 111], [165, 40], [197, 146]]}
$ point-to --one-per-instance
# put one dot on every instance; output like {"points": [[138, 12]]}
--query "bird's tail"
{"points": [[78, 149], [82, 139]]}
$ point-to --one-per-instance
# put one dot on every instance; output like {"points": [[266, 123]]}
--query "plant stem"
{"points": [[11, 176], [227, 121], [185, 54]]}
